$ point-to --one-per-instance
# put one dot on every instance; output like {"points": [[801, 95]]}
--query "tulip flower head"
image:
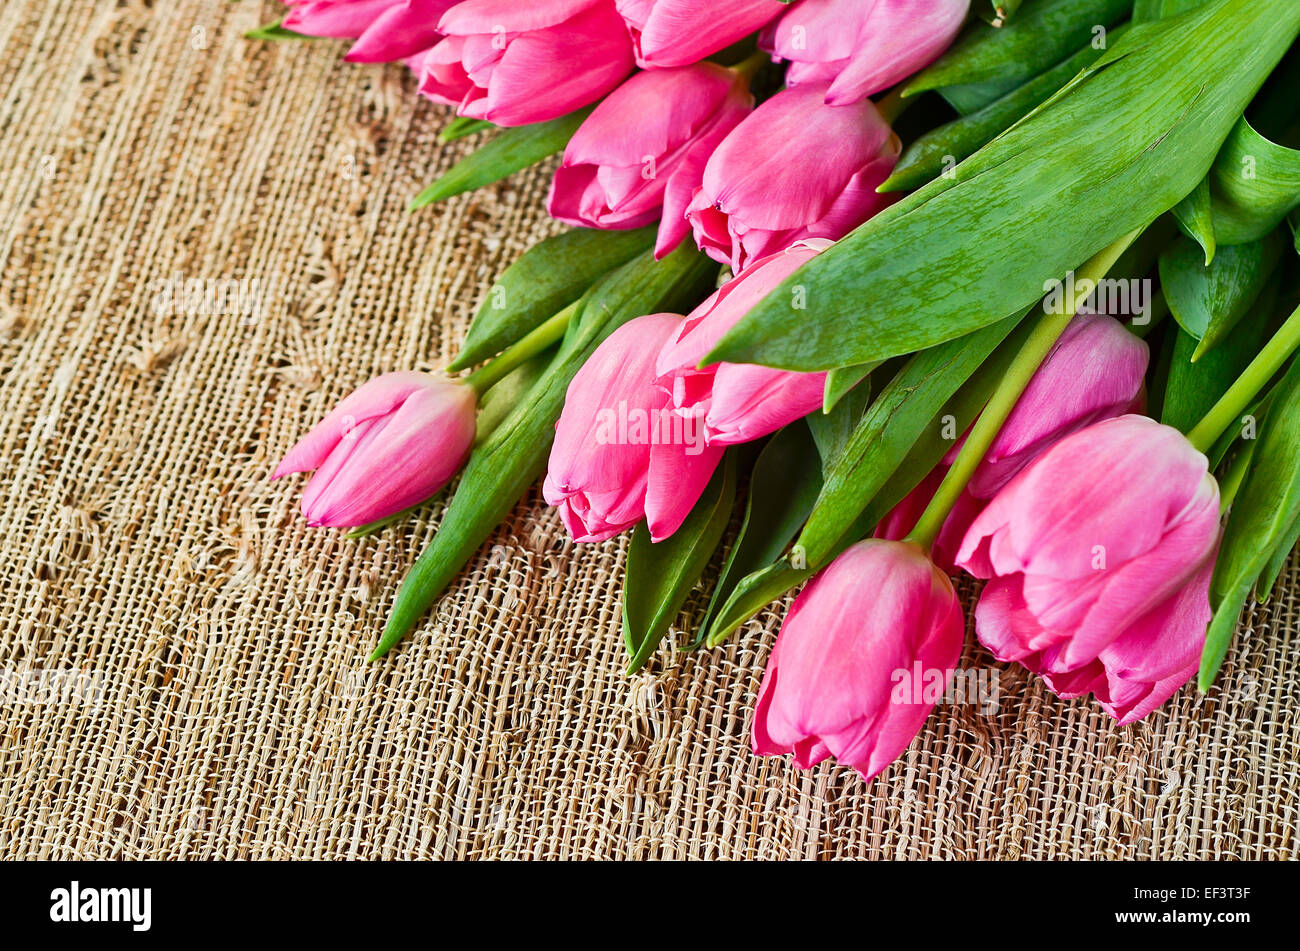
{"points": [[878, 609], [643, 150], [620, 454], [391, 444], [681, 32], [796, 168], [859, 47], [1097, 551], [738, 402], [519, 63]]}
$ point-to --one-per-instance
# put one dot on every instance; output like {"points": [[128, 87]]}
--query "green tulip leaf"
{"points": [[1254, 184], [941, 149], [544, 280], [1261, 519], [832, 431], [1093, 163], [513, 149], [1264, 587], [1195, 215], [1042, 35], [461, 126], [1193, 387], [503, 467], [1208, 301], [660, 576], [841, 381], [274, 31], [782, 489]]}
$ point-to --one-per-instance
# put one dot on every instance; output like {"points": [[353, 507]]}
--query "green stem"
{"points": [[750, 65], [1035, 350], [1227, 411], [491, 373], [893, 104]]}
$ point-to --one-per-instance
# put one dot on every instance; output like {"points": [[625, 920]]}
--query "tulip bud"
{"points": [[516, 64], [404, 29], [620, 453], [738, 402], [681, 32], [860, 47], [391, 444], [644, 148], [879, 609], [796, 168], [1096, 552]]}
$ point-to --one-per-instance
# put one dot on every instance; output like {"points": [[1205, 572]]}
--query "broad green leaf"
{"points": [[1090, 165], [513, 149], [508, 462], [546, 278], [1262, 515], [1254, 184], [1209, 301], [887, 432], [660, 576], [832, 431], [1195, 215], [1043, 34], [1264, 587], [942, 148], [274, 31], [461, 126], [1146, 10], [841, 380], [1193, 387], [782, 489], [971, 98]]}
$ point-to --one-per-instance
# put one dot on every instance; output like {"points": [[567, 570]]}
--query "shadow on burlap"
{"points": [[183, 659]]}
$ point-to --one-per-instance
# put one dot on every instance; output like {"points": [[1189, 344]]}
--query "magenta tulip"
{"points": [[393, 443], [643, 150], [620, 453], [737, 402], [796, 168], [681, 32], [1094, 372], [519, 63], [877, 613], [860, 47], [1093, 546], [407, 28], [337, 19]]}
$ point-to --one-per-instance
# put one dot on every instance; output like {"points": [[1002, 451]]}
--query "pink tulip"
{"points": [[643, 149], [1095, 546], [1095, 371], [518, 63], [337, 19], [1147, 664], [860, 47], [796, 168], [391, 444], [406, 29], [620, 453], [876, 612], [738, 402], [681, 32]]}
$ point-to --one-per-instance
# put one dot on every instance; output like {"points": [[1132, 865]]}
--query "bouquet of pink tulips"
{"points": [[1000, 288]]}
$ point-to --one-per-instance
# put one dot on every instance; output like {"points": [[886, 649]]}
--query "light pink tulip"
{"points": [[518, 63], [406, 29], [681, 32], [643, 150], [1096, 546], [738, 402], [835, 683], [796, 168], [860, 47], [620, 453], [391, 444], [337, 19], [1094, 372]]}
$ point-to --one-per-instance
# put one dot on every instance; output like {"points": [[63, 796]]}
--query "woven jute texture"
{"points": [[183, 660]]}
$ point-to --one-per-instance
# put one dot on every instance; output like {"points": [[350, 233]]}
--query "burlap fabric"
{"points": [[182, 659]]}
